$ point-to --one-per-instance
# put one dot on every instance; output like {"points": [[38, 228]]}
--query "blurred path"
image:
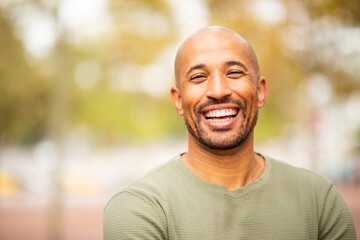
{"points": [[80, 220]]}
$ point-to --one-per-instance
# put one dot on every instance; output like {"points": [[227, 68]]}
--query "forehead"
{"points": [[213, 48]]}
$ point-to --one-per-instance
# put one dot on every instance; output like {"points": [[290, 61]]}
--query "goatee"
{"points": [[223, 140]]}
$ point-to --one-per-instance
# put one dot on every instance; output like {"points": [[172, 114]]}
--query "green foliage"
{"points": [[23, 92], [120, 116], [141, 30]]}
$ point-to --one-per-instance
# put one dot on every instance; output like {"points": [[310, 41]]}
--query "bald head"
{"points": [[204, 41]]}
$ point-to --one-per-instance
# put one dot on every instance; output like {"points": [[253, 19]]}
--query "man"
{"points": [[221, 188]]}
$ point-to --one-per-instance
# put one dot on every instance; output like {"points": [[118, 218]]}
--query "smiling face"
{"points": [[218, 88]]}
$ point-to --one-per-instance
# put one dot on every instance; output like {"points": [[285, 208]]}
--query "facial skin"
{"points": [[218, 88]]}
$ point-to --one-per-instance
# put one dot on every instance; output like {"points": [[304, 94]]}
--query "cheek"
{"points": [[245, 89], [192, 95], [195, 89]]}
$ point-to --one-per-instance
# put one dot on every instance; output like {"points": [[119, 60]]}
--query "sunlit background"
{"points": [[85, 107]]}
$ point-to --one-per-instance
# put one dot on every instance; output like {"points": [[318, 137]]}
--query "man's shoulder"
{"points": [[159, 174], [152, 184], [294, 175]]}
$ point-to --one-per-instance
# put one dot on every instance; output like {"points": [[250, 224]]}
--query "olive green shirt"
{"points": [[286, 202]]}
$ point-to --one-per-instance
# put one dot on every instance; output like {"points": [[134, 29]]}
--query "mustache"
{"points": [[222, 100]]}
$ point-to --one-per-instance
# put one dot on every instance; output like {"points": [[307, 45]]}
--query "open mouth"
{"points": [[221, 115]]}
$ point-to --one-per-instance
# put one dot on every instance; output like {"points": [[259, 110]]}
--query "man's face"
{"points": [[218, 89]]}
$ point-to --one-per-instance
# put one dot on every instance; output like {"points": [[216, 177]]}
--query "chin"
{"points": [[223, 142]]}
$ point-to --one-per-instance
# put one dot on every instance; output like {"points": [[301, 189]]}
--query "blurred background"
{"points": [[85, 106]]}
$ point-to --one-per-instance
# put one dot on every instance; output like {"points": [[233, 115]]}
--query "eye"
{"points": [[235, 73], [198, 77]]}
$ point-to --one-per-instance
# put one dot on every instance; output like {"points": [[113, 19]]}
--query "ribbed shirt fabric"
{"points": [[286, 202]]}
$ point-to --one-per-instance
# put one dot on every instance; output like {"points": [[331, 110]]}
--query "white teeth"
{"points": [[217, 120], [221, 113]]}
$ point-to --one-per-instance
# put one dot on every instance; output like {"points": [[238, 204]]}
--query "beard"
{"points": [[222, 139]]}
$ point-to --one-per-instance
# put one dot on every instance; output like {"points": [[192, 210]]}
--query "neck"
{"points": [[232, 168]]}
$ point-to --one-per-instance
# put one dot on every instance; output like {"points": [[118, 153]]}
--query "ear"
{"points": [[176, 100], [262, 92]]}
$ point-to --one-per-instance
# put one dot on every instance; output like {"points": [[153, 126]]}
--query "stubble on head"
{"points": [[182, 51]]}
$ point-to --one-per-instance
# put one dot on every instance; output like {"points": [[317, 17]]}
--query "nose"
{"points": [[218, 87]]}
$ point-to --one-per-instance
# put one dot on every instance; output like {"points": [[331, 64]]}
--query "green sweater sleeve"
{"points": [[132, 216], [336, 221]]}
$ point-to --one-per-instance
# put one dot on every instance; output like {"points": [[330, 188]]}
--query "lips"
{"points": [[220, 115]]}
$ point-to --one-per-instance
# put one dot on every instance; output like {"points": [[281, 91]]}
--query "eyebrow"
{"points": [[231, 63], [198, 66]]}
